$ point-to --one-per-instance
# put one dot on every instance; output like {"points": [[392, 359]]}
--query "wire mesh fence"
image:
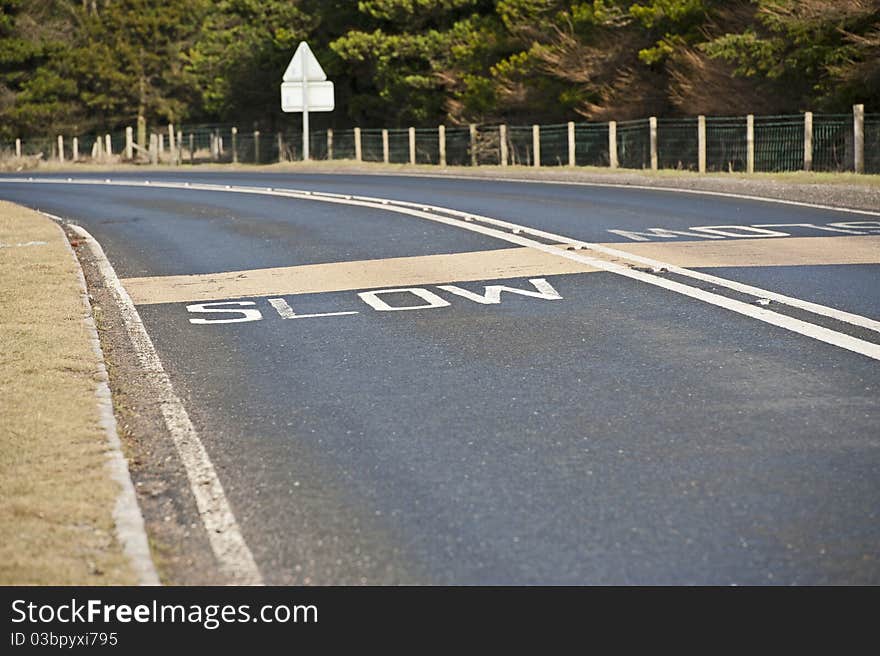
{"points": [[726, 144], [833, 142], [872, 143], [591, 144], [676, 143], [633, 144], [520, 145], [553, 140], [779, 143], [826, 142]]}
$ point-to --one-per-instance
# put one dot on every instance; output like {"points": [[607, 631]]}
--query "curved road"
{"points": [[513, 410]]}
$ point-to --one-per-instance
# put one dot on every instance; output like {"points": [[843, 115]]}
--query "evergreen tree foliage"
{"points": [[77, 65]]}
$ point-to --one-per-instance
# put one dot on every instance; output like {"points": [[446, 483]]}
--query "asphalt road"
{"points": [[600, 430]]}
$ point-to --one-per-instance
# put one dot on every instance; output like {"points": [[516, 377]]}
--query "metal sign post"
{"points": [[305, 110], [305, 89]]}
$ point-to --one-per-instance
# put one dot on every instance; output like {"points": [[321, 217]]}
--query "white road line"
{"points": [[467, 222], [621, 185], [127, 517], [229, 547]]}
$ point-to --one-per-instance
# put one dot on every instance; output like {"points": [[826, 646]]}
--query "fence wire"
{"points": [[634, 144], [554, 145], [677, 143], [872, 143], [779, 143], [833, 142], [591, 144], [726, 144]]}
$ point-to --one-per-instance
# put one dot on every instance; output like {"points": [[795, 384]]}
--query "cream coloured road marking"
{"points": [[490, 265], [344, 276], [791, 251]]}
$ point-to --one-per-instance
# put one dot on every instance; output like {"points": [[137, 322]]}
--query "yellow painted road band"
{"points": [[492, 265]]}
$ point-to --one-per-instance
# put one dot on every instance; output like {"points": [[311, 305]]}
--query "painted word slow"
{"points": [[401, 299], [759, 230]]}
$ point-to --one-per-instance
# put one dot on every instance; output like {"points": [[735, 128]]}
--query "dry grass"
{"points": [[57, 496]]}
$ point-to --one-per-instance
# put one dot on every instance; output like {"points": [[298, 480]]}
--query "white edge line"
{"points": [[127, 517], [233, 555], [622, 185]]}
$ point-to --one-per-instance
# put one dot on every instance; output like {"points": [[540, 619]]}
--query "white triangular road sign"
{"points": [[304, 58]]}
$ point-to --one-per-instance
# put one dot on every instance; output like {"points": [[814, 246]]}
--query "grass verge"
{"points": [[57, 496]]}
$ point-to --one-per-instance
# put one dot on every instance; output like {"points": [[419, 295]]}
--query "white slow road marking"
{"points": [[513, 233], [229, 547], [285, 311]]}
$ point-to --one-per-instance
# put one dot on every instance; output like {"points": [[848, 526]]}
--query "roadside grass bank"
{"points": [[58, 497]]}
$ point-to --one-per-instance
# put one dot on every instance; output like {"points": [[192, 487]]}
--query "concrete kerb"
{"points": [[129, 522]]}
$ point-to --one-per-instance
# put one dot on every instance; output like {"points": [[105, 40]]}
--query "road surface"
{"points": [[441, 381]]}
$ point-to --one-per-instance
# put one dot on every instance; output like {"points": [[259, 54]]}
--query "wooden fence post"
{"points": [[18, 147], [859, 138], [701, 143], [750, 143], [235, 145], [441, 139], [612, 144], [256, 146], [536, 145], [652, 126], [571, 144], [472, 132], [358, 151], [171, 149], [502, 138], [386, 155], [75, 149], [808, 141], [129, 141], [192, 148], [61, 149], [154, 148], [412, 145], [330, 143]]}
